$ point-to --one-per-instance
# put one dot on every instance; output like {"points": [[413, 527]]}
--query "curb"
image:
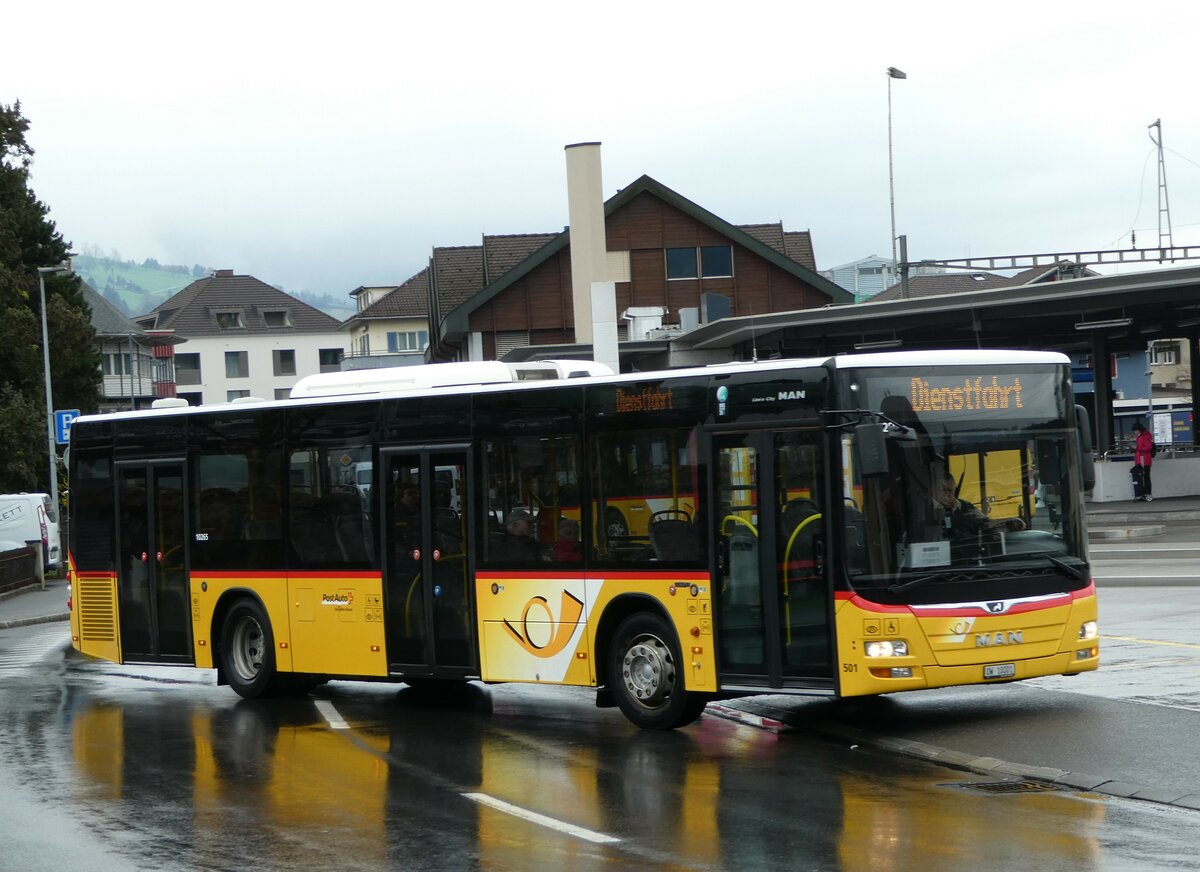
{"points": [[752, 720], [960, 760], [1126, 532], [42, 619], [1127, 517]]}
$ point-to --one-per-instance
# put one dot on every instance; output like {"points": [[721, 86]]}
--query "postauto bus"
{"points": [[802, 551]]}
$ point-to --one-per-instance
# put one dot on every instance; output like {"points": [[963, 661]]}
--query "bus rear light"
{"points": [[1088, 630]]}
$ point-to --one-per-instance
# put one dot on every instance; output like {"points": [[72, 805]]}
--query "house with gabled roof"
{"points": [[390, 326], [510, 296], [245, 339], [137, 365]]}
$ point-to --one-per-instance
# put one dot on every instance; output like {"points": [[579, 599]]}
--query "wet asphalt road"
{"points": [[105, 768], [110, 768]]}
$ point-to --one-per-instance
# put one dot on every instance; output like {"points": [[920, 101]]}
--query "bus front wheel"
{"points": [[645, 677], [248, 649]]}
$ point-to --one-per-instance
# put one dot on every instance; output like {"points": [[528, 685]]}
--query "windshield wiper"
{"points": [[917, 582], [1065, 568]]}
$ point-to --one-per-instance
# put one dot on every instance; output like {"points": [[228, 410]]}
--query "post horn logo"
{"points": [[561, 632]]}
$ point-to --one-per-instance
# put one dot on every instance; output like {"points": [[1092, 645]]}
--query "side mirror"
{"points": [[1087, 463], [872, 449]]}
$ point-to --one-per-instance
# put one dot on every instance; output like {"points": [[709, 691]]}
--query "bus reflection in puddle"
{"points": [[271, 781]]}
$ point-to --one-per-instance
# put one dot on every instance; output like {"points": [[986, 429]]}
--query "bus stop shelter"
{"points": [[1095, 317]]}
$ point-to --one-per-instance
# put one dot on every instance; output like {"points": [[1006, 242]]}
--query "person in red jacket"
{"points": [[1143, 456]]}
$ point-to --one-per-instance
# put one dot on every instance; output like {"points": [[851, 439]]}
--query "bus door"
{"points": [[427, 591], [773, 594], [152, 588]]}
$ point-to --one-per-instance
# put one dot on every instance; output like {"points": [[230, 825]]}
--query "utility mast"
{"points": [[1165, 239]]}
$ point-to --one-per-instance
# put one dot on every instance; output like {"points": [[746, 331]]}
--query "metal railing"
{"points": [[18, 569]]}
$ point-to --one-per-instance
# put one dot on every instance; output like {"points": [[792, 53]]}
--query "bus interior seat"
{"points": [[856, 536], [743, 566], [674, 539], [311, 537], [795, 511], [261, 529]]}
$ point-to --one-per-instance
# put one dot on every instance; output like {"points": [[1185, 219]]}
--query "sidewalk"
{"points": [[32, 605], [1135, 512]]}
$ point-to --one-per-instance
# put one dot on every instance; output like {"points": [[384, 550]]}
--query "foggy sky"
{"points": [[322, 147]]}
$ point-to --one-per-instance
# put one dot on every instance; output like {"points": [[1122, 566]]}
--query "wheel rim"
{"points": [[616, 526], [648, 671], [246, 648]]}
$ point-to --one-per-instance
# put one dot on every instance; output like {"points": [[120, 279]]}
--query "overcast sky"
{"points": [[326, 146]]}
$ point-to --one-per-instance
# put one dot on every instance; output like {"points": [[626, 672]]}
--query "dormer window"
{"points": [[229, 320], [277, 318]]}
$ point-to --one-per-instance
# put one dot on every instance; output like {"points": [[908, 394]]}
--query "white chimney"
{"points": [[589, 255]]}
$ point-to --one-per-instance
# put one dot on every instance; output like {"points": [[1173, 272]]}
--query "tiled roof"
{"points": [[957, 283], [502, 253], [458, 275], [193, 311], [107, 319], [797, 244], [767, 234], [793, 244], [409, 300], [944, 283]]}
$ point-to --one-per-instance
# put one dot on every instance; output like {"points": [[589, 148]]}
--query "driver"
{"points": [[963, 519]]}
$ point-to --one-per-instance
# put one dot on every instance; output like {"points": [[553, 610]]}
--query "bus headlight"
{"points": [[1088, 630], [886, 648]]}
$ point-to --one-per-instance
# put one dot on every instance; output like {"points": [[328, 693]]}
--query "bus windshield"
{"points": [[977, 486]]}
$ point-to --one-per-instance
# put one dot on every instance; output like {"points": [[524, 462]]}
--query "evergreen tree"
{"points": [[28, 240]]}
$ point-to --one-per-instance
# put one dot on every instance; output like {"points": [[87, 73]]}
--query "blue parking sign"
{"points": [[62, 424]]}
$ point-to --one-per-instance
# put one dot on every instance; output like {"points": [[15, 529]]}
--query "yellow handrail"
{"points": [[787, 561], [740, 520]]}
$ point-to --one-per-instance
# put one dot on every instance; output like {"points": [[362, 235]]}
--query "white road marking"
{"points": [[541, 819], [34, 649], [325, 707], [1140, 575]]}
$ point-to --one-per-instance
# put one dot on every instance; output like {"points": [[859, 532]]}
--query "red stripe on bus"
{"points": [[596, 575], [280, 573], [965, 609]]}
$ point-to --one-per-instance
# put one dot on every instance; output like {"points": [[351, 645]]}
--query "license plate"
{"points": [[1000, 670]]}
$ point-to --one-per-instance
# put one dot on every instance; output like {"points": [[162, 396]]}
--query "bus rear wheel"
{"points": [[248, 649], [645, 678]]}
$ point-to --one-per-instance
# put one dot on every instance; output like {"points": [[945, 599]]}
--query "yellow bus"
{"points": [[798, 549]]}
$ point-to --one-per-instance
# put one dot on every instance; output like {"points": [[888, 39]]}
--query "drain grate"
{"points": [[1004, 786]]}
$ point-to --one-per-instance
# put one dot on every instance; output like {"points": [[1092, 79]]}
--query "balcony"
{"points": [[382, 360]]}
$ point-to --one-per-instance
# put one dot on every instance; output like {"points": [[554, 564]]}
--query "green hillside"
{"points": [[132, 287], [136, 288]]}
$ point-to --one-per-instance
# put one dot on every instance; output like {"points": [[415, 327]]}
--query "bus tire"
{"points": [[248, 649], [645, 676], [614, 524]]}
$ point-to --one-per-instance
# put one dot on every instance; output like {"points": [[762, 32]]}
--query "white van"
{"points": [[27, 518]]}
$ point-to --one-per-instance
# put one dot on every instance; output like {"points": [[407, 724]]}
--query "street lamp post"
{"points": [[53, 453], [892, 73]]}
